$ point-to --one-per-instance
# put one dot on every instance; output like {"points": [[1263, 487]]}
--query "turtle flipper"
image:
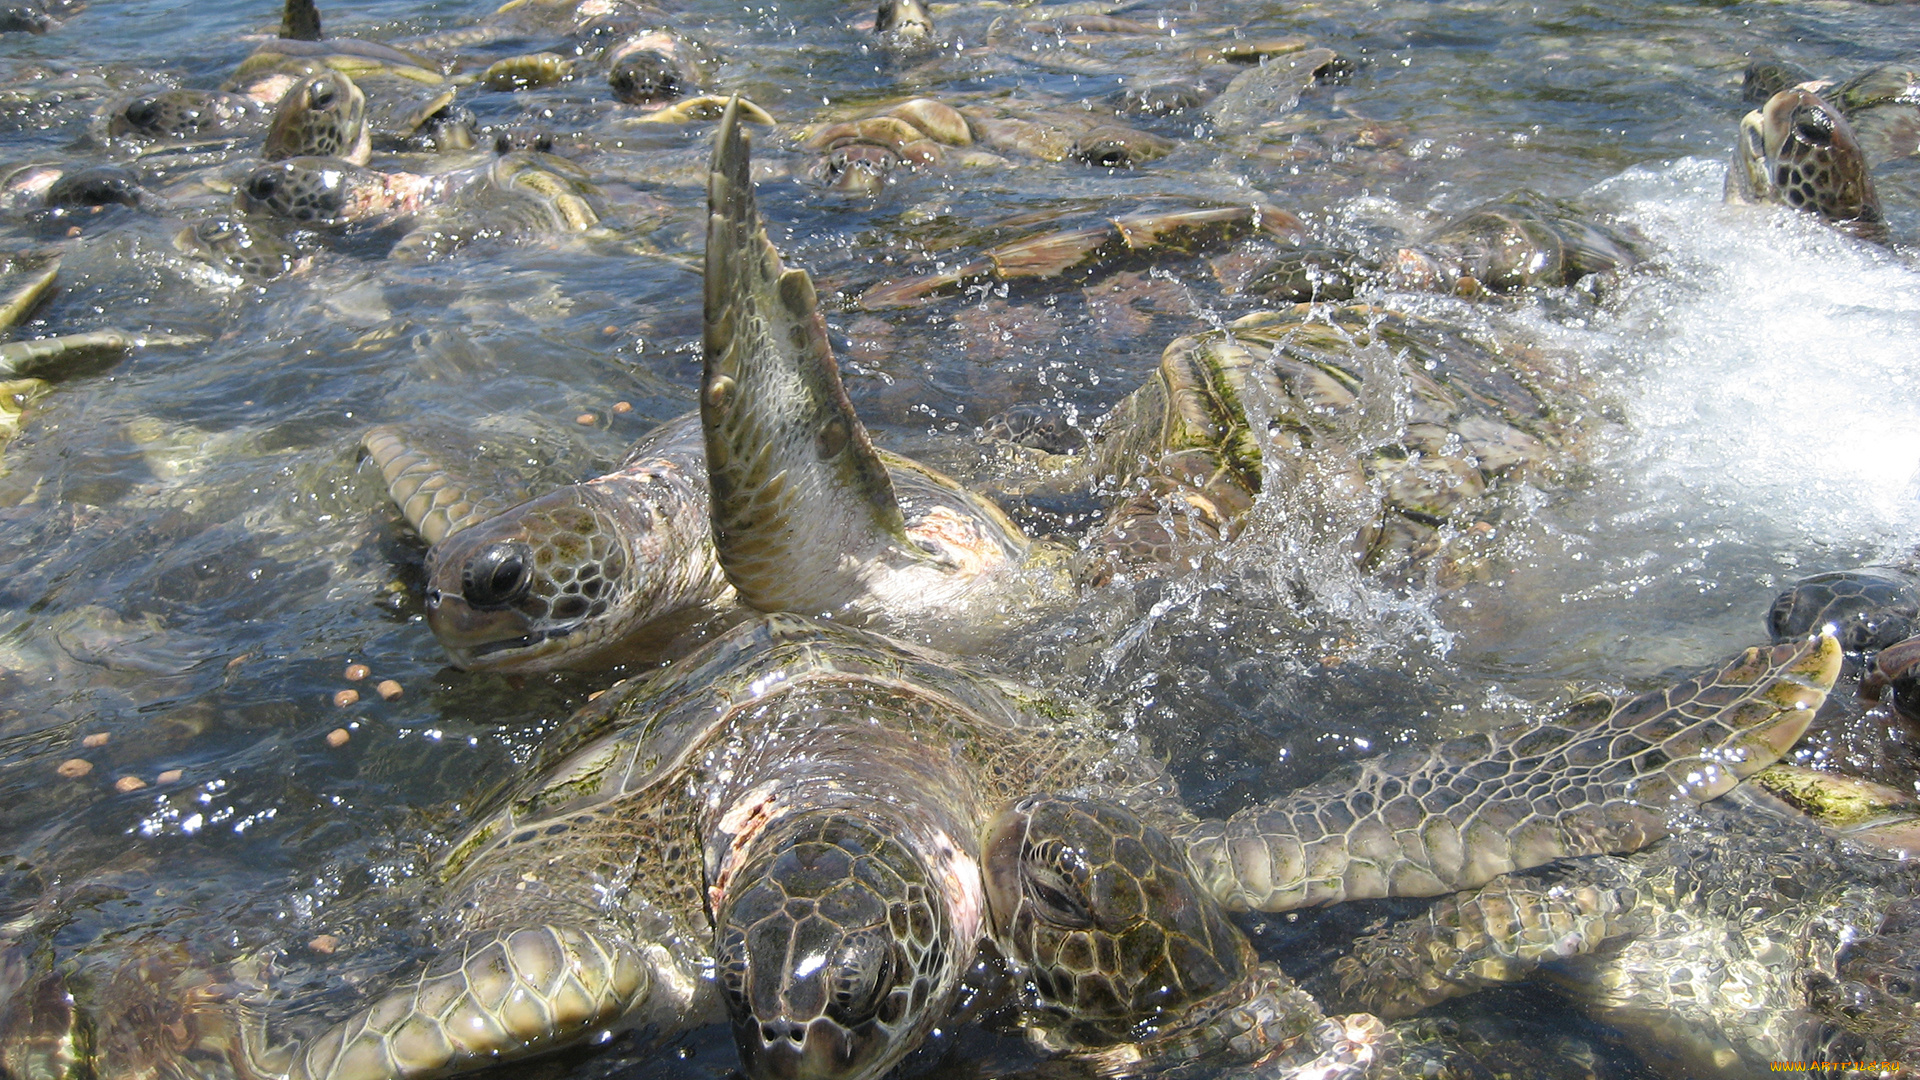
{"points": [[1501, 933], [1430, 821], [435, 501], [300, 21], [492, 997], [799, 494]]}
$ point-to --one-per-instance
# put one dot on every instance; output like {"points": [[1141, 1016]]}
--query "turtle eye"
{"points": [[143, 113], [1813, 126], [262, 185], [1049, 885], [500, 574], [320, 94]]}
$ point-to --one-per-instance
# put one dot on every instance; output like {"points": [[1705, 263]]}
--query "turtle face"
{"points": [[904, 26], [1799, 150], [857, 168], [180, 114], [533, 588], [647, 77], [1120, 941], [836, 950], [238, 246], [312, 191], [324, 115]]}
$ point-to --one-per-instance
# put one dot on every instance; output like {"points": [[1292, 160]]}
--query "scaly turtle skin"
{"points": [[1520, 240], [190, 115], [1718, 950], [807, 516], [1799, 151], [824, 796], [645, 62], [579, 577], [409, 102]]}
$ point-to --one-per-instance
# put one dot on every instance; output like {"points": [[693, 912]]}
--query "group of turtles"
{"points": [[824, 811]]}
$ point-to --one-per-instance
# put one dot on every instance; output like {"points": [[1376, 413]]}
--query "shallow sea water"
{"points": [[192, 553]]}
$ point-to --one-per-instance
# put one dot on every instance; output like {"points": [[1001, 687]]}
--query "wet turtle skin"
{"points": [[240, 246], [188, 114], [823, 794], [324, 115], [1798, 150]]}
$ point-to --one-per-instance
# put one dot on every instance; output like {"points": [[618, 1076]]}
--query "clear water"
{"points": [[191, 553]]}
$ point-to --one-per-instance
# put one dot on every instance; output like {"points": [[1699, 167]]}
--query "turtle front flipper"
{"points": [[435, 501], [493, 997], [1501, 933], [1429, 821], [805, 516]]}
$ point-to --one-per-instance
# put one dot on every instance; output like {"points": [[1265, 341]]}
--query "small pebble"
{"points": [[98, 738], [356, 672], [346, 697], [388, 689], [623, 406], [337, 737], [128, 783], [585, 419], [74, 767], [171, 776], [324, 944]]}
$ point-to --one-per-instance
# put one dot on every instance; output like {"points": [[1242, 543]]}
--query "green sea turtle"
{"points": [[518, 194], [324, 115], [1521, 240], [1869, 608], [239, 246], [1798, 150], [791, 824], [1881, 104]]}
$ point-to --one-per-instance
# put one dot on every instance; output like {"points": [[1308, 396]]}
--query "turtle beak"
{"points": [[469, 633]]}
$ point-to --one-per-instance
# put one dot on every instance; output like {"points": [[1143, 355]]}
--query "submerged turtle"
{"points": [[1280, 401], [809, 807], [239, 246], [1521, 240], [1719, 950], [519, 194], [1798, 150], [645, 61], [862, 154]]}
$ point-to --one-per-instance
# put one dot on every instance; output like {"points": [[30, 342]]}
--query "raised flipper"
{"points": [[1428, 821], [300, 21], [492, 997], [806, 516]]}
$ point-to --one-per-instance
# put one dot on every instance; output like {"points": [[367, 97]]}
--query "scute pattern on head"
{"points": [[324, 115], [1798, 150]]}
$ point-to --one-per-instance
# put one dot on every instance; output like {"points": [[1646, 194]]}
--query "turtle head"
{"points": [[1120, 941], [535, 588], [166, 114], [904, 26], [857, 167], [836, 948], [239, 246], [647, 77], [309, 190], [324, 115], [1799, 150]]}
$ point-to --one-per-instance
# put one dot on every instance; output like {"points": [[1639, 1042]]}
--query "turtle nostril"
{"points": [[433, 598], [778, 1031]]}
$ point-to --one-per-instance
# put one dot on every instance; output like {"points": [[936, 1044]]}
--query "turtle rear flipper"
{"points": [[805, 513], [491, 997], [1455, 816]]}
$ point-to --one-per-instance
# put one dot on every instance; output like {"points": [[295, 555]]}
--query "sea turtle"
{"points": [[1870, 607], [409, 103], [1881, 104], [37, 16], [1799, 150], [1521, 240], [791, 823], [519, 194], [324, 115], [1720, 950], [239, 246], [859, 155]]}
